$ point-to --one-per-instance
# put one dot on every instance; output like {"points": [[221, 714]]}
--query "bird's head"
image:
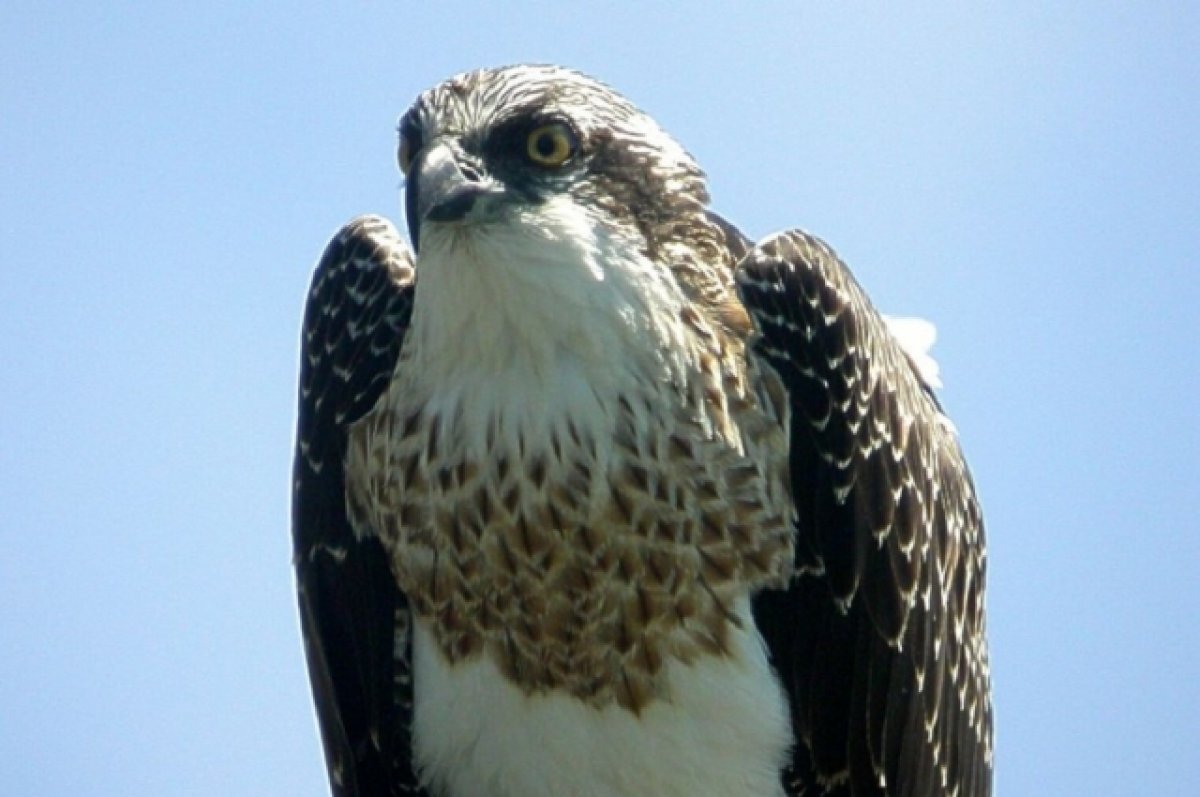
{"points": [[549, 213], [523, 146]]}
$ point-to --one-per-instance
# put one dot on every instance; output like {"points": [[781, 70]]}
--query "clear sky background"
{"points": [[1028, 178]]}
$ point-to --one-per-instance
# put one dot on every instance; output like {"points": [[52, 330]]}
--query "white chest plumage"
{"points": [[723, 730]]}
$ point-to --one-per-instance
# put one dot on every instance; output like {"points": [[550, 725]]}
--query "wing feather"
{"points": [[881, 646], [354, 619]]}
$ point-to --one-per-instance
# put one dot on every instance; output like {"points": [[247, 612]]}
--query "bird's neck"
{"points": [[534, 335]]}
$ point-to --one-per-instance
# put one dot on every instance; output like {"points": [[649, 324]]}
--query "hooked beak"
{"points": [[441, 188]]}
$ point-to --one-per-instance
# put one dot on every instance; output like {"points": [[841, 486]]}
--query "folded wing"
{"points": [[354, 619], [880, 639]]}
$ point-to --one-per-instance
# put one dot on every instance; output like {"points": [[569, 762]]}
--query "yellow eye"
{"points": [[551, 145]]}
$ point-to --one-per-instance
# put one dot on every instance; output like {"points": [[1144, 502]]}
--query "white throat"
{"points": [[543, 314]]}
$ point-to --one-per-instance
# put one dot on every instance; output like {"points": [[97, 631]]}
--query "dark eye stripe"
{"points": [[509, 140]]}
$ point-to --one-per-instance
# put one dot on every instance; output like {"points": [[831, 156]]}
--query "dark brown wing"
{"points": [[354, 619], [880, 640]]}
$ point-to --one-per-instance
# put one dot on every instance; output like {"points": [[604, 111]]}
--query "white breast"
{"points": [[724, 731]]}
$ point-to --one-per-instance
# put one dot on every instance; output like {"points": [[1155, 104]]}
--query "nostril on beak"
{"points": [[470, 172], [456, 205]]}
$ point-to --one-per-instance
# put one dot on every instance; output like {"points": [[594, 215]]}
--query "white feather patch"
{"points": [[723, 731], [537, 317], [916, 337]]}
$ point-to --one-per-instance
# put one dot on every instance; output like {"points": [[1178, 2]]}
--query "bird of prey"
{"points": [[594, 496]]}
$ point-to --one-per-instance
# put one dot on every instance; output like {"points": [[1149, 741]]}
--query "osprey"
{"points": [[594, 496]]}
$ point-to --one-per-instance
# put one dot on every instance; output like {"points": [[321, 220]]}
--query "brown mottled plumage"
{"points": [[579, 571]]}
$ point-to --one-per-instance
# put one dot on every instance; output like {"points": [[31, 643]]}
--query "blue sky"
{"points": [[1027, 177]]}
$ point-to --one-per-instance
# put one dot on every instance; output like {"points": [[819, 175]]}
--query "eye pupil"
{"points": [[546, 144]]}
